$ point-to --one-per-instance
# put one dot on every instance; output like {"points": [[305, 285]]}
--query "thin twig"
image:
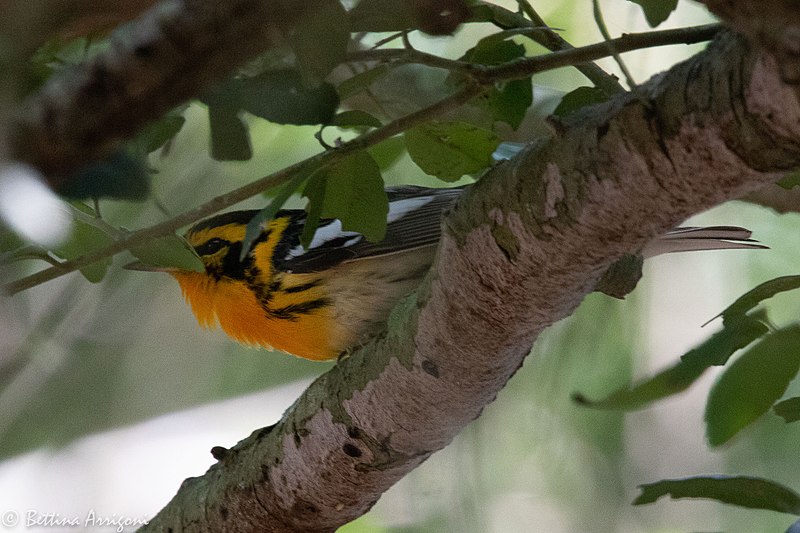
{"points": [[412, 56], [601, 25], [522, 68], [551, 40], [251, 189], [486, 76]]}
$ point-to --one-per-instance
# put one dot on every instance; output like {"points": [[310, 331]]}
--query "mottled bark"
{"points": [[521, 250]]}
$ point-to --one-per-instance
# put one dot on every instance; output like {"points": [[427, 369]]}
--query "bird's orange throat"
{"points": [[235, 307]]}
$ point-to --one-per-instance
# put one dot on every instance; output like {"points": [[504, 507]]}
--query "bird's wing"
{"points": [[414, 220]]}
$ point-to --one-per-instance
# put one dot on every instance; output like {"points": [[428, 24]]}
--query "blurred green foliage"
{"points": [[87, 358]]}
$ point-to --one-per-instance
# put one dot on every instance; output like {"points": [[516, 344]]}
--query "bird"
{"points": [[322, 301]]}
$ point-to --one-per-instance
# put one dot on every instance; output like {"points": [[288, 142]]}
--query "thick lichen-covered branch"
{"points": [[613, 177]]}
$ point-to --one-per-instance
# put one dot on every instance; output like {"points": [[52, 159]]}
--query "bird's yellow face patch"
{"points": [[248, 300]]}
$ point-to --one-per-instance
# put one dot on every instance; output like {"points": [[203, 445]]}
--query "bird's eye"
{"points": [[211, 246]]}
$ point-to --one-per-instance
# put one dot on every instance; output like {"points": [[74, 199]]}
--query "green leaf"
{"points": [[230, 139], [656, 11], [120, 175], [86, 238], [448, 150], [714, 351], [750, 492], [753, 297], [749, 386], [388, 152], [355, 119], [790, 181], [579, 98], [789, 409], [255, 225], [353, 193], [318, 35], [30, 251], [9, 241], [154, 136], [507, 102], [170, 251], [315, 192], [280, 96], [361, 81]]}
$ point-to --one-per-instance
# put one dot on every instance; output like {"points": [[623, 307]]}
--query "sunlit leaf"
{"points": [[751, 384], [714, 351], [507, 102], [449, 150], [656, 11], [753, 297], [750, 492], [579, 98], [170, 251], [388, 152], [86, 238], [353, 193], [789, 409]]}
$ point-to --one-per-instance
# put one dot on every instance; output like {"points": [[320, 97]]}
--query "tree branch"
{"points": [[522, 68], [178, 48], [486, 75], [521, 250], [251, 189]]}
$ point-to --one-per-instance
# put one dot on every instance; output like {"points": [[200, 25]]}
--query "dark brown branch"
{"points": [[551, 40], [520, 251], [251, 189], [177, 50], [487, 75], [522, 68], [566, 57]]}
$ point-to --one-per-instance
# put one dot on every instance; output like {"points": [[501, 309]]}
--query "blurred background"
{"points": [[111, 394]]}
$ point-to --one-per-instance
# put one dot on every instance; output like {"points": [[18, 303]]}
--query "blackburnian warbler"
{"points": [[319, 302]]}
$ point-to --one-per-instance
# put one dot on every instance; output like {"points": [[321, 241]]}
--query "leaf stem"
{"points": [[601, 25], [522, 68], [214, 205], [484, 77]]}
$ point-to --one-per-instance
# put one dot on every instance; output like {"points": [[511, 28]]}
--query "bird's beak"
{"points": [[139, 266]]}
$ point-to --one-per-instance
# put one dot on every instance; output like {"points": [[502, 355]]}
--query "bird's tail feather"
{"points": [[687, 239]]}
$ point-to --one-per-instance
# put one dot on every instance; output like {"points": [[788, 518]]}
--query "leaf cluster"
{"points": [[750, 386]]}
